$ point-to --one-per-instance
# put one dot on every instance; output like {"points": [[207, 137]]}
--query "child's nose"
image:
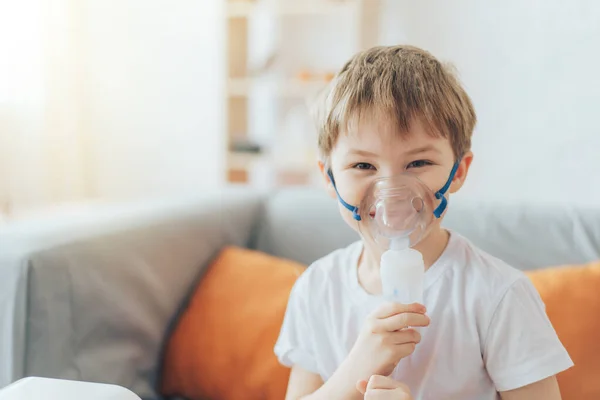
{"points": [[391, 169]]}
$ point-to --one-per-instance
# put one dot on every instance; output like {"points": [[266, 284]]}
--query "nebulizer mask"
{"points": [[395, 214]]}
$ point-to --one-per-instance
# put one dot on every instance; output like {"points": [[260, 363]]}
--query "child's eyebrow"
{"points": [[360, 152], [423, 149]]}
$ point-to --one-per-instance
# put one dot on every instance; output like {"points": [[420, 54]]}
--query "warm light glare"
{"points": [[20, 51]]}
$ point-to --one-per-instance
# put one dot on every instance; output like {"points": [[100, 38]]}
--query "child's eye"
{"points": [[363, 165], [419, 164]]}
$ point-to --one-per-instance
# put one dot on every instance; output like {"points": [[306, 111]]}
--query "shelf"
{"points": [[240, 160], [242, 9], [294, 88], [244, 161]]}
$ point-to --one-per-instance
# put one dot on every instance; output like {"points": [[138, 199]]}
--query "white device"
{"points": [[402, 274], [35, 388]]}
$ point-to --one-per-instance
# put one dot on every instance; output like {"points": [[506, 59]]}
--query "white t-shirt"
{"points": [[489, 331]]}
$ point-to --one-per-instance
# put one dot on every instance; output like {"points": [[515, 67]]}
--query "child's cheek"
{"points": [[434, 179]]}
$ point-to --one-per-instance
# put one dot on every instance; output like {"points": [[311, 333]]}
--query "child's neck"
{"points": [[431, 247]]}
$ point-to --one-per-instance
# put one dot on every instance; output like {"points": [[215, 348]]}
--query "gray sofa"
{"points": [[92, 295]]}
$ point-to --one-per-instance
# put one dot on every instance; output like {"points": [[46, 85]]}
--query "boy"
{"points": [[482, 332]]}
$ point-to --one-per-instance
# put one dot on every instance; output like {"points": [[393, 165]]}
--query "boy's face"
{"points": [[376, 150]]}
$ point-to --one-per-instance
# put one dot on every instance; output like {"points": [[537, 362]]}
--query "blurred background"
{"points": [[108, 101]]}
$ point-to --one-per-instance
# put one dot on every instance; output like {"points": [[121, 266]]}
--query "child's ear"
{"points": [[461, 172], [328, 184]]}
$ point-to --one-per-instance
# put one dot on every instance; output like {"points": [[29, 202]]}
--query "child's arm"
{"points": [[306, 385], [546, 389], [302, 383]]}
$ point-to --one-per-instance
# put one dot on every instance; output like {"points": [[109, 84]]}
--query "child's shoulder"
{"points": [[506, 318], [478, 263], [483, 274]]}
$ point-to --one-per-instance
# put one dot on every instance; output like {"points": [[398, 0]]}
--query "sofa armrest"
{"points": [[93, 299]]}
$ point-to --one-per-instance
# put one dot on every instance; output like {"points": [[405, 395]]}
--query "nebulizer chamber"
{"points": [[402, 272]]}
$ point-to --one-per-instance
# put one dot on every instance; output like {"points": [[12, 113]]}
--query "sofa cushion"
{"points": [[91, 295], [222, 345], [572, 298], [301, 224]]}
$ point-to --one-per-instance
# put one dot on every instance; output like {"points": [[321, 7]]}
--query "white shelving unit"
{"points": [[290, 76]]}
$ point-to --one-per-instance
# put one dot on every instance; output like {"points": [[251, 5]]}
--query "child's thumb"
{"points": [[362, 386]]}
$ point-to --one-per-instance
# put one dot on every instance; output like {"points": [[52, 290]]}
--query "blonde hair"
{"points": [[400, 83]]}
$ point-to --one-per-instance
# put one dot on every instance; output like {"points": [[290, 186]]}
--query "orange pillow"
{"points": [[572, 298], [222, 347]]}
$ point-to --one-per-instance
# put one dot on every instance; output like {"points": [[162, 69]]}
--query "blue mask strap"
{"points": [[353, 209], [440, 193]]}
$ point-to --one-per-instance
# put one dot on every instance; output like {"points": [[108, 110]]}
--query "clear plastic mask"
{"points": [[398, 211]]}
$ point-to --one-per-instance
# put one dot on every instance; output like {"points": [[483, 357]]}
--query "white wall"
{"points": [[532, 71], [154, 94]]}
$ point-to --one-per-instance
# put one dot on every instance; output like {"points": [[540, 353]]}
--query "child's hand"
{"points": [[383, 388], [385, 339]]}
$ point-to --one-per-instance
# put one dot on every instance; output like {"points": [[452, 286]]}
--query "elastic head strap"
{"points": [[440, 193], [350, 207]]}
